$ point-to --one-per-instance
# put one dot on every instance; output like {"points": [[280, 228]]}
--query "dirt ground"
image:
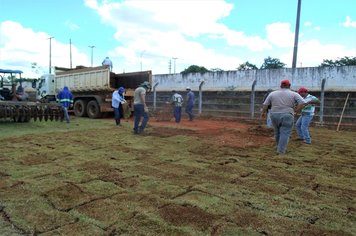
{"points": [[206, 177]]}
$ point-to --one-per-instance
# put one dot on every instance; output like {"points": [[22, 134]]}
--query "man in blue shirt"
{"points": [[190, 103], [107, 62], [118, 98], [65, 98]]}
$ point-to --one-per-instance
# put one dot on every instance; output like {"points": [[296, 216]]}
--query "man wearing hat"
{"points": [[118, 98], [283, 106], [190, 103], [306, 116], [140, 107]]}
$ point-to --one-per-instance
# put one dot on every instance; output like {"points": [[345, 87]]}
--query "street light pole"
{"points": [[174, 58], [50, 54], [296, 36], [141, 58], [92, 54]]}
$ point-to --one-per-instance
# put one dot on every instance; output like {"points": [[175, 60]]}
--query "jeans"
{"points": [[117, 115], [302, 126], [282, 125], [139, 112], [66, 115], [177, 113], [189, 111], [268, 120]]}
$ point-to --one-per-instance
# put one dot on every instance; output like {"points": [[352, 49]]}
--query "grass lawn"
{"points": [[90, 177]]}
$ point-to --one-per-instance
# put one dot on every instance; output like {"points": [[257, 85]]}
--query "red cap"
{"points": [[302, 90], [285, 82]]}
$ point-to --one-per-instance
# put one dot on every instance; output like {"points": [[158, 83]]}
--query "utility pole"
{"points": [[92, 47], [170, 66], [174, 64], [296, 36], [50, 54], [70, 52], [141, 58]]}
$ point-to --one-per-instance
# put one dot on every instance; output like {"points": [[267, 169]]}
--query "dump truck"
{"points": [[19, 106], [92, 87]]}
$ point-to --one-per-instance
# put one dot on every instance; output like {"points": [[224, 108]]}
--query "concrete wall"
{"points": [[341, 79]]}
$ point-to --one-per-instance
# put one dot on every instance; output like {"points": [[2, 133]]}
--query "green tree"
{"points": [[195, 69], [247, 66], [272, 63], [345, 61]]}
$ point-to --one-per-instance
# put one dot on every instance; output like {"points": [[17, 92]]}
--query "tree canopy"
{"points": [[247, 66], [195, 69], [345, 61], [272, 63]]}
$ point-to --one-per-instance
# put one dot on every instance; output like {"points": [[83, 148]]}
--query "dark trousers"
{"points": [[189, 111], [177, 113], [139, 112], [117, 115]]}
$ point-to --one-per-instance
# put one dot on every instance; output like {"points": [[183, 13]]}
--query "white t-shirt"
{"points": [[283, 100]]}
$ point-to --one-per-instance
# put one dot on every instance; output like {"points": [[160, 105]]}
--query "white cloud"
{"points": [[280, 34], [172, 29], [22, 46], [72, 26], [349, 23], [312, 53]]}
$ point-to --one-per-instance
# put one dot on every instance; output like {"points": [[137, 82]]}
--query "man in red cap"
{"points": [[283, 106], [306, 116]]}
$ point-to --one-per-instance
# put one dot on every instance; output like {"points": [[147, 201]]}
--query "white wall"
{"points": [[337, 79]]}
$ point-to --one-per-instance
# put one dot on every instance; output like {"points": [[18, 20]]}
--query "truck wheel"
{"points": [[93, 110], [80, 108]]}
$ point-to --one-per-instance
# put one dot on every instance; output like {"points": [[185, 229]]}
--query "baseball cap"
{"points": [[285, 82], [302, 90], [188, 88], [121, 89]]}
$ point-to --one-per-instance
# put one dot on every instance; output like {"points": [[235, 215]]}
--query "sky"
{"points": [[167, 36]]}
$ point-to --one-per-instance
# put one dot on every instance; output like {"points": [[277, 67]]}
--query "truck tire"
{"points": [[93, 109], [80, 108]]}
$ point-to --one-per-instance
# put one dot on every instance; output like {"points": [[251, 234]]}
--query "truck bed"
{"points": [[95, 79]]}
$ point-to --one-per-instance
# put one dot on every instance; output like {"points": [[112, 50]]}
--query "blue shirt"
{"points": [[117, 98], [190, 98], [65, 97]]}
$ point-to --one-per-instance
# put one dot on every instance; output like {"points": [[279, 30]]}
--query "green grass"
{"points": [[92, 178]]}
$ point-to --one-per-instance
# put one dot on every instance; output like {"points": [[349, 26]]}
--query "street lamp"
{"points": [[296, 36], [174, 58], [91, 54], [50, 54], [141, 58]]}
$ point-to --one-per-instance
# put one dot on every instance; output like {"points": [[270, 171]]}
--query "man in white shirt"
{"points": [[307, 114], [283, 106], [177, 102]]}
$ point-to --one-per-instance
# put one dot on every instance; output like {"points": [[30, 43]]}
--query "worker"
{"points": [[140, 107], [190, 103], [107, 62], [21, 95], [65, 98], [306, 116], [118, 98], [285, 103], [268, 116], [177, 102]]}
